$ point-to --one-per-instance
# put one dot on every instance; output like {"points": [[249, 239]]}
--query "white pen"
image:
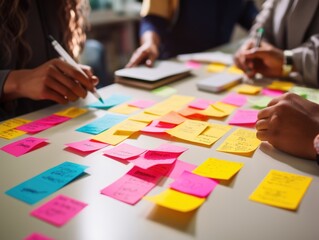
{"points": [[71, 61]]}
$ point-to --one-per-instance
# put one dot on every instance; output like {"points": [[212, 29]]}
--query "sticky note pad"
{"points": [[244, 117], [281, 85], [23, 146], [124, 151], [281, 189], [12, 123], [248, 89], [59, 210], [11, 134], [176, 200], [218, 169], [193, 184], [46, 183]]}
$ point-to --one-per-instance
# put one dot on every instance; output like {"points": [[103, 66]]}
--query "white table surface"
{"points": [[227, 213]]}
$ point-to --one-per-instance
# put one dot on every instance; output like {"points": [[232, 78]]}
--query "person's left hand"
{"points": [[290, 123]]}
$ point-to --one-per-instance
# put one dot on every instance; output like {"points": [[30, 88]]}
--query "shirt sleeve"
{"points": [[248, 14]]}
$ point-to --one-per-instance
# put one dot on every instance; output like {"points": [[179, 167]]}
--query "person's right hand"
{"points": [[54, 80], [147, 53]]}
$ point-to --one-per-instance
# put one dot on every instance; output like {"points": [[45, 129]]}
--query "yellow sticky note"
{"points": [[11, 134], [129, 126], [226, 108], [210, 111], [281, 85], [124, 109], [176, 200], [12, 123], [110, 137], [173, 103], [211, 134], [216, 67], [235, 70], [172, 117], [241, 141], [248, 89], [281, 189], [188, 129], [218, 169], [72, 112], [144, 117]]}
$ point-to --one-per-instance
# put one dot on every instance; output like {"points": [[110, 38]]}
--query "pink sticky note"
{"points": [[154, 127], [59, 210], [244, 117], [193, 64], [235, 99], [172, 118], [272, 92], [142, 103], [134, 185], [193, 184], [86, 145], [178, 168], [166, 147], [34, 127], [124, 151], [37, 236], [200, 103], [23, 146], [53, 119]]}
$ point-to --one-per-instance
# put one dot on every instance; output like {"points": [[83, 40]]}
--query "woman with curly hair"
{"points": [[32, 76]]}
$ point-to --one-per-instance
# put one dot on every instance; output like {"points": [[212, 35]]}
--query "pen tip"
{"points": [[51, 38], [101, 100]]}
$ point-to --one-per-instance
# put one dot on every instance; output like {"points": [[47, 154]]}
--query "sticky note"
{"points": [[109, 102], [34, 127], [72, 112], [218, 169], [216, 67], [248, 89], [172, 117], [37, 236], [281, 85], [188, 129], [129, 127], [11, 134], [235, 70], [23, 146], [144, 117], [124, 109], [244, 117], [176, 200], [131, 188], [59, 210], [193, 64], [46, 183], [86, 145], [110, 137], [124, 151], [12, 123], [281, 189], [101, 124], [272, 92], [192, 113], [193, 184], [241, 141], [309, 93], [142, 103], [53, 119], [164, 91], [178, 168], [210, 111], [261, 102], [200, 103], [155, 127], [226, 108], [235, 99]]}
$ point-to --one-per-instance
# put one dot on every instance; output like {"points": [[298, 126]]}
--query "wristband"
{"points": [[288, 63], [316, 147]]}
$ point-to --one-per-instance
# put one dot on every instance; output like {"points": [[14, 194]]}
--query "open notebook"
{"points": [[163, 72]]}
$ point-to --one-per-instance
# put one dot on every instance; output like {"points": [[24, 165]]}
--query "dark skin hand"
{"points": [[290, 123]]}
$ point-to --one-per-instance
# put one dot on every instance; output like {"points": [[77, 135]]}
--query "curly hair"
{"points": [[72, 16]]}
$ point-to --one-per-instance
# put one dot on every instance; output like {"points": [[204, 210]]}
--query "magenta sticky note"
{"points": [[235, 99], [34, 127], [53, 119], [87, 145], [178, 168], [59, 210], [201, 103], [193, 184], [133, 186], [272, 92], [193, 64], [23, 146], [142, 103], [37, 236], [244, 117], [124, 151]]}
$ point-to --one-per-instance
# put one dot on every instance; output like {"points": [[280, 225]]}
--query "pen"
{"points": [[259, 36], [71, 61]]}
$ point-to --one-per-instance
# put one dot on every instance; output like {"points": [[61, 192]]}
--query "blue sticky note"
{"points": [[46, 183], [109, 102], [101, 124]]}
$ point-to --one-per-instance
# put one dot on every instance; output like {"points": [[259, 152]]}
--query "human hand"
{"points": [[290, 123], [54, 80], [148, 51], [240, 57]]}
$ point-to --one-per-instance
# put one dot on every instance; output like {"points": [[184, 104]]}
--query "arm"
{"points": [[248, 14]]}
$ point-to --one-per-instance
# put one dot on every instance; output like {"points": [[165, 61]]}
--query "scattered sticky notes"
{"points": [[124, 151], [235, 99], [59, 210], [37, 236], [86, 145], [281, 189], [177, 201], [281, 85], [243, 117], [241, 141], [218, 169], [248, 89], [193, 184], [44, 184], [72, 112], [135, 184], [23, 146], [109, 102], [101, 124]]}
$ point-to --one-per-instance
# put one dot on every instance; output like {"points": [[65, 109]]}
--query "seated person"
{"points": [[290, 43], [32, 75], [290, 123], [172, 27]]}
